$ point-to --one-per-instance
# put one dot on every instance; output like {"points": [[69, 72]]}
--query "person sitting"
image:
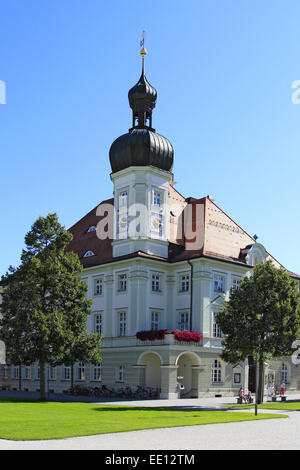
{"points": [[249, 397], [242, 395]]}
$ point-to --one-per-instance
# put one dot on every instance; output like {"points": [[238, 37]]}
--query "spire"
{"points": [[143, 51], [142, 97]]}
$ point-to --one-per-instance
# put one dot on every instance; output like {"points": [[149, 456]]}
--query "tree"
{"points": [[44, 306], [262, 317]]}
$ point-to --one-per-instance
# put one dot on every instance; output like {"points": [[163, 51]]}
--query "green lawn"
{"points": [[284, 406], [28, 420]]}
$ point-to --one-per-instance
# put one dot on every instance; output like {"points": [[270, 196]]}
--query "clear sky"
{"points": [[223, 71]]}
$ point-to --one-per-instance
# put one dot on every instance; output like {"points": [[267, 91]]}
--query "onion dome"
{"points": [[141, 146]]}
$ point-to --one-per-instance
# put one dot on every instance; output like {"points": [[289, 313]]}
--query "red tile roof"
{"points": [[221, 238]]}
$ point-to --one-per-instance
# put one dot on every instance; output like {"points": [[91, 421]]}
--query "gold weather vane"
{"points": [[143, 51]]}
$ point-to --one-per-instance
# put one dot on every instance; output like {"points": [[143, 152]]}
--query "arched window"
{"points": [[88, 253], [216, 372], [92, 228], [284, 373]]}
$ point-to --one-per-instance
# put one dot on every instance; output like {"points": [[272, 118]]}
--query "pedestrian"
{"points": [[282, 389], [270, 392]]}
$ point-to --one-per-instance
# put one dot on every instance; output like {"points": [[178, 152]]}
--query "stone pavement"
{"points": [[281, 434]]}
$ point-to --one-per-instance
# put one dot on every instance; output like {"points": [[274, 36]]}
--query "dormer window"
{"points": [[88, 254], [92, 228]]}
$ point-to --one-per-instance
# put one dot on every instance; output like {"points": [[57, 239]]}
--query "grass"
{"points": [[33, 420], [284, 406]]}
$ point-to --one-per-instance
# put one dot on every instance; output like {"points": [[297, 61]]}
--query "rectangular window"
{"points": [[52, 373], [217, 333], [97, 373], [120, 373], [98, 324], [66, 373], [80, 372], [184, 321], [156, 198], [237, 378], [236, 282], [15, 372], [184, 283], [37, 372], [123, 199], [155, 283], [122, 323], [219, 283], [27, 372], [122, 282], [216, 372], [98, 286], [155, 321]]}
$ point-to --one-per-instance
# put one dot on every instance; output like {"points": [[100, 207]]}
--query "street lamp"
{"points": [[256, 384]]}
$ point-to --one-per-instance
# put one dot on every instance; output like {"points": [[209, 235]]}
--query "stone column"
{"points": [[138, 278], [108, 314], [170, 281], [168, 382]]}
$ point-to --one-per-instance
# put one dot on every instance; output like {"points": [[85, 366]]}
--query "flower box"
{"points": [[182, 336]]}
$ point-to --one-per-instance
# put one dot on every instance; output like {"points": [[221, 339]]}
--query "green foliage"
{"points": [[44, 305], [262, 316]]}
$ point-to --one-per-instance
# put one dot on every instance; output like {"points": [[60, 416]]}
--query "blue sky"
{"points": [[223, 71]]}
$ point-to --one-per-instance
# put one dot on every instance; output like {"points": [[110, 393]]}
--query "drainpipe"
{"points": [[191, 294]]}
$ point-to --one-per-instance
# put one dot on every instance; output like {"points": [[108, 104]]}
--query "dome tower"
{"points": [[141, 163]]}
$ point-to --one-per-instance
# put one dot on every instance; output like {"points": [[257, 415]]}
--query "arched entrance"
{"points": [[152, 362], [188, 372]]}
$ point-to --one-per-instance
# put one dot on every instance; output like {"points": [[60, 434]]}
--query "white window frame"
{"points": [[98, 323], [15, 372], [37, 372], [184, 283], [236, 282], [98, 286], [216, 330], [52, 373], [155, 320], [284, 373], [122, 282], [120, 374], [92, 229], [81, 372], [123, 199], [157, 198], [184, 320], [122, 323], [27, 373], [66, 375], [88, 254], [156, 283], [96, 375], [216, 372], [219, 283]]}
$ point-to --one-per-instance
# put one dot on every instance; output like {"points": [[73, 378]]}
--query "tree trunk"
{"points": [[260, 392], [42, 381]]}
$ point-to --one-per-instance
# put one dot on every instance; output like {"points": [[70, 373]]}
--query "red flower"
{"points": [[188, 336], [151, 335]]}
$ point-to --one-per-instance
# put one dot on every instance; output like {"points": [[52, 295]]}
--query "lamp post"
{"points": [[256, 384]]}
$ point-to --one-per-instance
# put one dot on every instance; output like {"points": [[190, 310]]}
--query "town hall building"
{"points": [[158, 266]]}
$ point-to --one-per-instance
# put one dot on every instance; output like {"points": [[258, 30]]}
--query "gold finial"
{"points": [[143, 51]]}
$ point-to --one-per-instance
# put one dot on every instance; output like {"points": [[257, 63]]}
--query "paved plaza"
{"points": [[274, 434]]}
